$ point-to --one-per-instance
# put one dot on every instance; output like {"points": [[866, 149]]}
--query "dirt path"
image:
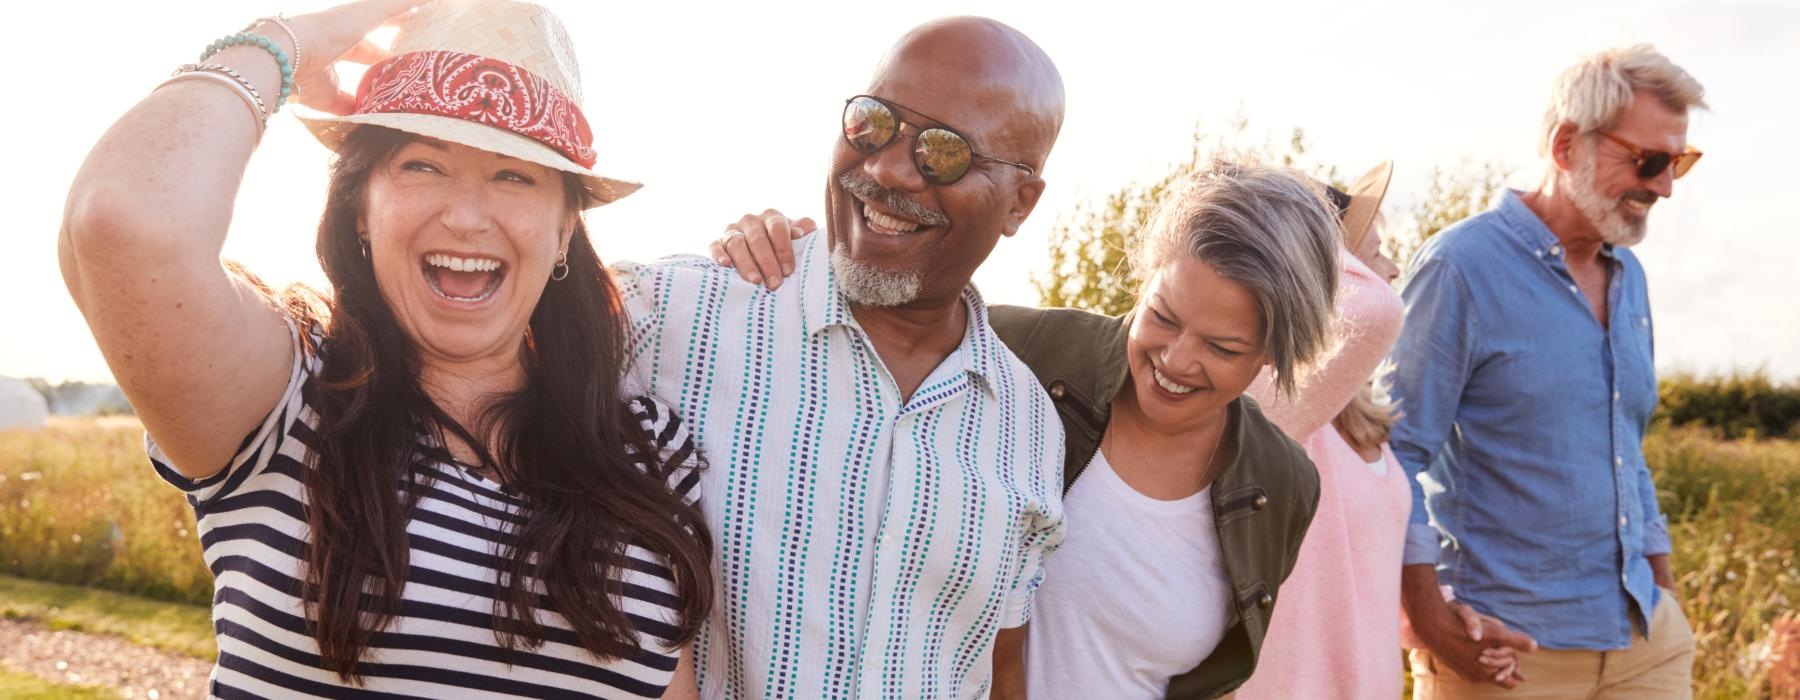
{"points": [[61, 656]]}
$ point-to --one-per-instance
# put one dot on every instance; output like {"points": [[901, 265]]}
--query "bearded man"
{"points": [[883, 477], [1525, 380]]}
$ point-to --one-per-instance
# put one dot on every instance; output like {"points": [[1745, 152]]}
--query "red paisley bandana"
{"points": [[478, 89]]}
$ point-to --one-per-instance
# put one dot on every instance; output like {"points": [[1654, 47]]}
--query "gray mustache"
{"points": [[864, 188], [1640, 196]]}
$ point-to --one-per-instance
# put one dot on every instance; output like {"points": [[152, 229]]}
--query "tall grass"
{"points": [[1735, 522], [79, 504]]}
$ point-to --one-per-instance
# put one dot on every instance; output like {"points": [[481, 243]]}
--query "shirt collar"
{"points": [[1524, 226], [824, 307]]}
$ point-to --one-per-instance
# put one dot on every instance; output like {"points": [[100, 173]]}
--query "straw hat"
{"points": [[1358, 207], [497, 75]]}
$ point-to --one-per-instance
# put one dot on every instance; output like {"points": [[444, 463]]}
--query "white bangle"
{"points": [[243, 93]]}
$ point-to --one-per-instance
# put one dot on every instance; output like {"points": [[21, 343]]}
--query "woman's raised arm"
{"points": [[202, 354]]}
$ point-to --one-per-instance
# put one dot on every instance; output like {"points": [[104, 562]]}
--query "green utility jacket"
{"points": [[1262, 501]]}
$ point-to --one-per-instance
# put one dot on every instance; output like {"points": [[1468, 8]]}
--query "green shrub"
{"points": [[1738, 405]]}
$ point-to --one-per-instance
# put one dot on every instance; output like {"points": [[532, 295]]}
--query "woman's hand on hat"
{"points": [[341, 34]]}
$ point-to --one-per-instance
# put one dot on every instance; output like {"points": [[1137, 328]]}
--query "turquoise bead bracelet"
{"points": [[267, 44]]}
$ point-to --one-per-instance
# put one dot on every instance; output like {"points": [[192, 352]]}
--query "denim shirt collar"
{"points": [[1525, 228]]}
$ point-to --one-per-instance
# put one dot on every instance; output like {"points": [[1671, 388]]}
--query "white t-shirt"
{"points": [[1136, 595]]}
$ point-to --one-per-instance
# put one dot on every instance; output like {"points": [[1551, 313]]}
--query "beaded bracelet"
{"points": [[267, 44], [282, 22]]}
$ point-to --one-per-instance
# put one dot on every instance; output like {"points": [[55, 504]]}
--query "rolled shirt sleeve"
{"points": [[1040, 539], [1430, 368]]}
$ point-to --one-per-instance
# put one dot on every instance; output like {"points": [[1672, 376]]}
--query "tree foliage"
{"points": [[1090, 248], [1090, 260], [1453, 195]]}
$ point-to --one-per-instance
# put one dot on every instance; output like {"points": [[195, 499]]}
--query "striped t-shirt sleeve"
{"points": [[678, 459], [254, 453]]}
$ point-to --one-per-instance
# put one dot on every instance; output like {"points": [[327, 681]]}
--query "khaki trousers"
{"points": [[1657, 668]]}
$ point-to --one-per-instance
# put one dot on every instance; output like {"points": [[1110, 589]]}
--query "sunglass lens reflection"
{"points": [[868, 124], [942, 156]]}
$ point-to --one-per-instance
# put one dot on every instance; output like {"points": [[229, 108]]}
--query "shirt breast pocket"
{"points": [[1636, 366]]}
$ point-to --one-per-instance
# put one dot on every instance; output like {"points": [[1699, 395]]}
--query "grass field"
{"points": [[20, 686], [82, 507], [181, 628]]}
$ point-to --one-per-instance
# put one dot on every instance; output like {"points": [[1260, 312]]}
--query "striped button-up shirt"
{"points": [[867, 546]]}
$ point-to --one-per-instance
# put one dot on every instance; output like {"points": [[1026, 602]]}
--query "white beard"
{"points": [[1602, 213], [866, 285]]}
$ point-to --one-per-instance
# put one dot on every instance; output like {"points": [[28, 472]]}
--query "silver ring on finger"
{"points": [[734, 234]]}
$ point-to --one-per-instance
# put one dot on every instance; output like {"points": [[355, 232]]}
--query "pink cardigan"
{"points": [[1336, 628]]}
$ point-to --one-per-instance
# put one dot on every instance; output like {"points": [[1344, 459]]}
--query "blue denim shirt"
{"points": [[1521, 424]]}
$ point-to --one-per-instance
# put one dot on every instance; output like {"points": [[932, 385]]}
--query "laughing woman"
{"points": [[427, 482]]}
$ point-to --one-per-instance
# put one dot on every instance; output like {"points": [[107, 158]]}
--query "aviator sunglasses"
{"points": [[942, 155], [1652, 163]]}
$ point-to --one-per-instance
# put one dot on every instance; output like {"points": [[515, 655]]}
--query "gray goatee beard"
{"points": [[867, 285], [1601, 212]]}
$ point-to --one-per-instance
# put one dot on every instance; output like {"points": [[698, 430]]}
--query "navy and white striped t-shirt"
{"points": [[253, 534]]}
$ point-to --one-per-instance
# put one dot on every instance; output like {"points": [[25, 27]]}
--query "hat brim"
{"points": [[331, 130], [1365, 200]]}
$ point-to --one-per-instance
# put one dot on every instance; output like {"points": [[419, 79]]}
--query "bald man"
{"points": [[883, 477]]}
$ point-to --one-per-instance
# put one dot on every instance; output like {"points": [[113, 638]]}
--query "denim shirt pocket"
{"points": [[1635, 368]]}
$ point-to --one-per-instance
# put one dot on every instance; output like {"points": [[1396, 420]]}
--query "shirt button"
{"points": [[1265, 601], [1615, 396], [1623, 521], [1259, 503], [1556, 250], [1618, 461], [1057, 391], [1539, 252], [1574, 289], [1623, 579]]}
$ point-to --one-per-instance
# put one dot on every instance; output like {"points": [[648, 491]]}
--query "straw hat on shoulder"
{"points": [[1358, 207], [497, 75]]}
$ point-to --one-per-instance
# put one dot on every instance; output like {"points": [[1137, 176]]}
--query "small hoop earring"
{"points": [[561, 271], [365, 248]]}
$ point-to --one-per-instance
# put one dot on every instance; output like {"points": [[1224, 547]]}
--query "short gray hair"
{"points": [[1594, 93], [1269, 229]]}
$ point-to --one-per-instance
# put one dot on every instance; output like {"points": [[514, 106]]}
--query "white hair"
{"points": [[1593, 94], [1601, 211], [867, 285]]}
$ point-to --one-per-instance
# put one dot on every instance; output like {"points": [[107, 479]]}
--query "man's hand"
{"points": [[1660, 571], [1477, 652], [1009, 664]]}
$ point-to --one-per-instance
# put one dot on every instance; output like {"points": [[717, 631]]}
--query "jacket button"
{"points": [[1260, 502], [1265, 601], [1056, 391]]}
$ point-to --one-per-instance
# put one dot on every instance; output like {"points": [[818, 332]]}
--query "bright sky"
{"points": [[730, 107]]}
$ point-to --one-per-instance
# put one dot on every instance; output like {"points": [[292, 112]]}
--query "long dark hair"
{"points": [[570, 447]]}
